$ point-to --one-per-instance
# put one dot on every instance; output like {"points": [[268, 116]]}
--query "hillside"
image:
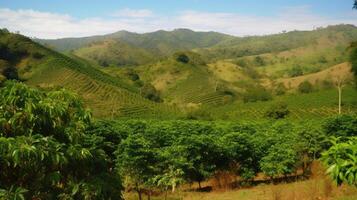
{"points": [[338, 36], [106, 96], [113, 53], [159, 42]]}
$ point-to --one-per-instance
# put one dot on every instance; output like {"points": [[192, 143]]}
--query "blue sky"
{"points": [[76, 18]]}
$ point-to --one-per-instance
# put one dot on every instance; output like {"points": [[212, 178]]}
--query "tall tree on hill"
{"points": [[354, 51]]}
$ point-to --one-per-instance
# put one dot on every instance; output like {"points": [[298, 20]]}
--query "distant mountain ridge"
{"points": [[166, 42]]}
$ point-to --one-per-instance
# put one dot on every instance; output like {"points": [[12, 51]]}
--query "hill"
{"points": [[113, 53], [339, 35], [159, 42], [39, 66]]}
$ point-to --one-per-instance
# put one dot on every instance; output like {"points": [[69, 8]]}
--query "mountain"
{"points": [[106, 96], [126, 48], [336, 36], [159, 42], [168, 74], [114, 53]]}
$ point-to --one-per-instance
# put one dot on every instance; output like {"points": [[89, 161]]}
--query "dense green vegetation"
{"points": [[45, 151], [341, 157]]}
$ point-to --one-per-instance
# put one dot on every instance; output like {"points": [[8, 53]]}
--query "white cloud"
{"points": [[131, 13], [52, 25]]}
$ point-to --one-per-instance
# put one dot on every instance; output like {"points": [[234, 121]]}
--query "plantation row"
{"points": [[106, 100], [52, 149]]}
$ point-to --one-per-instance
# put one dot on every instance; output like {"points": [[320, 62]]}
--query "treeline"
{"points": [[163, 154], [50, 148]]}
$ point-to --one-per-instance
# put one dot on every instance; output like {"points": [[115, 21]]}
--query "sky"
{"points": [[50, 19]]}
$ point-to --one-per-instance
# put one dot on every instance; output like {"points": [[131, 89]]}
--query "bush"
{"points": [[296, 71], [257, 94], [278, 111], [341, 126], [280, 89], [183, 58], [305, 87], [341, 161], [11, 73], [149, 91]]}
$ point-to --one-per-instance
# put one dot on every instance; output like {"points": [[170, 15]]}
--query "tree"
{"points": [[45, 153], [305, 87], [241, 154], [353, 56], [278, 111], [355, 5], [136, 162], [340, 83], [183, 58], [202, 155], [281, 159], [149, 91], [341, 126], [259, 61], [255, 94]]}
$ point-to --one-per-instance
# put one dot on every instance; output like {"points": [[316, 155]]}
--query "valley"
{"points": [[177, 114]]}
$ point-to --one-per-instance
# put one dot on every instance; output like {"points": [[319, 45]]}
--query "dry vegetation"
{"points": [[317, 187]]}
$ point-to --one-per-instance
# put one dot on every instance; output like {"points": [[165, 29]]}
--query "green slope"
{"points": [[105, 95], [161, 43], [114, 53], [255, 45]]}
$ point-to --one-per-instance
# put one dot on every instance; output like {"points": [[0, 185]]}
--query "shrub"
{"points": [[280, 89], [341, 160], [183, 58], [257, 94], [341, 126], [149, 91], [11, 73], [278, 111], [296, 71], [305, 87]]}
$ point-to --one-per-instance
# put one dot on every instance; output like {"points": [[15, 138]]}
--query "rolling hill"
{"points": [[186, 70], [166, 42], [106, 96]]}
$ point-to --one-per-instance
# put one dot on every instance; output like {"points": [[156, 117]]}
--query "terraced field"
{"points": [[197, 88], [104, 95], [315, 105]]}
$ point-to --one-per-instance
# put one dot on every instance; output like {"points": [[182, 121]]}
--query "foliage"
{"points": [[296, 71], [257, 94], [45, 153], [341, 160], [281, 159], [341, 126], [305, 87], [181, 57], [278, 111], [149, 91], [280, 89]]}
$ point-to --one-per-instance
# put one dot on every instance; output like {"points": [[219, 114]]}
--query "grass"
{"points": [[318, 104], [318, 186]]}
